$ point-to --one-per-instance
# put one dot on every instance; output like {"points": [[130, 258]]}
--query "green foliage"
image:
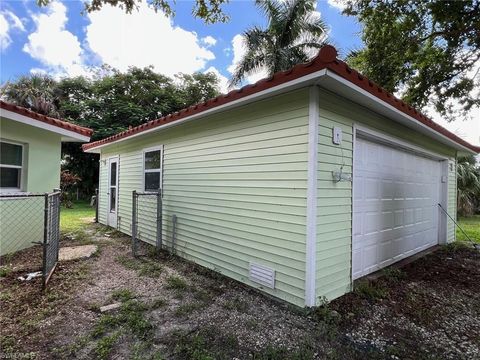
{"points": [[108, 103], [73, 219], [4, 271], [293, 33], [371, 290], [394, 274], [471, 225], [123, 295], [210, 11], [468, 185], [176, 283], [427, 50]]}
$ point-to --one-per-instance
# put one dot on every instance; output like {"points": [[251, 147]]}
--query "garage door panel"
{"points": [[395, 205]]}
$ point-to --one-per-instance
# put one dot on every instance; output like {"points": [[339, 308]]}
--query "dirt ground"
{"points": [[172, 309]]}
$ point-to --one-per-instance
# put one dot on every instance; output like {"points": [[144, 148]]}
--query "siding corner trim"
{"points": [[311, 238]]}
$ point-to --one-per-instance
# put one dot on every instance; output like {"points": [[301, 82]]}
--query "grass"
{"points": [[471, 225], [370, 290], [74, 219]]}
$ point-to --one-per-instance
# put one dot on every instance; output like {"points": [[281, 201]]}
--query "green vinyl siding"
{"points": [[452, 199], [21, 219], [42, 154], [236, 182], [334, 200]]}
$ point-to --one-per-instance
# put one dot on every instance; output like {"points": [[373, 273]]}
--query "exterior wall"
{"points": [[43, 154], [452, 199], [334, 200], [237, 182], [41, 174]]}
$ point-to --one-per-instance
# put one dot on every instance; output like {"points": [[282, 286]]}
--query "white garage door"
{"points": [[395, 205]]}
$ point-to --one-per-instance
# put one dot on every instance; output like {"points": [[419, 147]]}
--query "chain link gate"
{"points": [[31, 218], [146, 219], [51, 237]]}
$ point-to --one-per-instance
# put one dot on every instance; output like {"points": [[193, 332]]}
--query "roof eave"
{"points": [[298, 83], [66, 135], [347, 89]]}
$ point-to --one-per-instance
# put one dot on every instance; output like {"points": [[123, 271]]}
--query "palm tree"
{"points": [[36, 92], [293, 35], [468, 185]]}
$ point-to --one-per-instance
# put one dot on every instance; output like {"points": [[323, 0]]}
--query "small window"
{"points": [[152, 177], [11, 166]]}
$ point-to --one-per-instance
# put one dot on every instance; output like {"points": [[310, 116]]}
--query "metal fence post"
{"points": [[96, 205], [45, 242], [159, 220], [134, 222]]}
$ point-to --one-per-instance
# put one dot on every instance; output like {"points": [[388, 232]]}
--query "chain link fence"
{"points": [[146, 219], [28, 219]]}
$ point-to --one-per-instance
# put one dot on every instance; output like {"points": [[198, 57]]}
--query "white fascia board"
{"points": [[67, 135], [350, 91], [311, 231], [279, 89]]}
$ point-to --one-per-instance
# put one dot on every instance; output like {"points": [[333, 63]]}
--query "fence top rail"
{"points": [[141, 193], [26, 195]]}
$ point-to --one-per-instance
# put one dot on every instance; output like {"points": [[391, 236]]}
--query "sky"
{"points": [[61, 41]]}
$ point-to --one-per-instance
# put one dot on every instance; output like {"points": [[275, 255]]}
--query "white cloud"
{"points": [[144, 38], [209, 40], [338, 4], [239, 50], [54, 46], [8, 22], [223, 81]]}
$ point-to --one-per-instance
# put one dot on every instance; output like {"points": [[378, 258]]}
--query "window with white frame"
{"points": [[152, 169], [11, 165]]}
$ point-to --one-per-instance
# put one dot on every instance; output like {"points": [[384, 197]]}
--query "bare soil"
{"points": [[173, 309]]}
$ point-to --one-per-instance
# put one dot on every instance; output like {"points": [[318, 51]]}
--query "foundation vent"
{"points": [[262, 275]]}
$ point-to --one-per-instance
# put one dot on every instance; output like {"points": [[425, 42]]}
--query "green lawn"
{"points": [[471, 225], [74, 219]]}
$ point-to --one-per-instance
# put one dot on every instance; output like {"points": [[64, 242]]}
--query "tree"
{"points": [[209, 10], [108, 104], [468, 185], [294, 33], [36, 92], [425, 50]]}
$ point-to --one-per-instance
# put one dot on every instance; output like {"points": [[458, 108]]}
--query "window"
{"points": [[11, 163], [152, 167]]}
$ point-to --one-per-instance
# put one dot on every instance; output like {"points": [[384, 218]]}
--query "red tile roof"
{"points": [[46, 119], [326, 59]]}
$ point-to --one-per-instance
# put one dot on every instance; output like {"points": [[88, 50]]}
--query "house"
{"points": [[30, 163], [296, 185]]}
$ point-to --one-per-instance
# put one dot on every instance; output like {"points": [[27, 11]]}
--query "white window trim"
{"points": [[22, 169], [144, 151]]}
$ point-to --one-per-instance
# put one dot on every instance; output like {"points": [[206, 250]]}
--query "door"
{"points": [[112, 192], [396, 193]]}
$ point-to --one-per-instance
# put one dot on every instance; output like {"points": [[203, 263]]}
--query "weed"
{"points": [[236, 304], [176, 283], [202, 295], [455, 247], [128, 262], [4, 271], [123, 295], [104, 346], [157, 303], [186, 309], [393, 274], [144, 268], [371, 290], [150, 269]]}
